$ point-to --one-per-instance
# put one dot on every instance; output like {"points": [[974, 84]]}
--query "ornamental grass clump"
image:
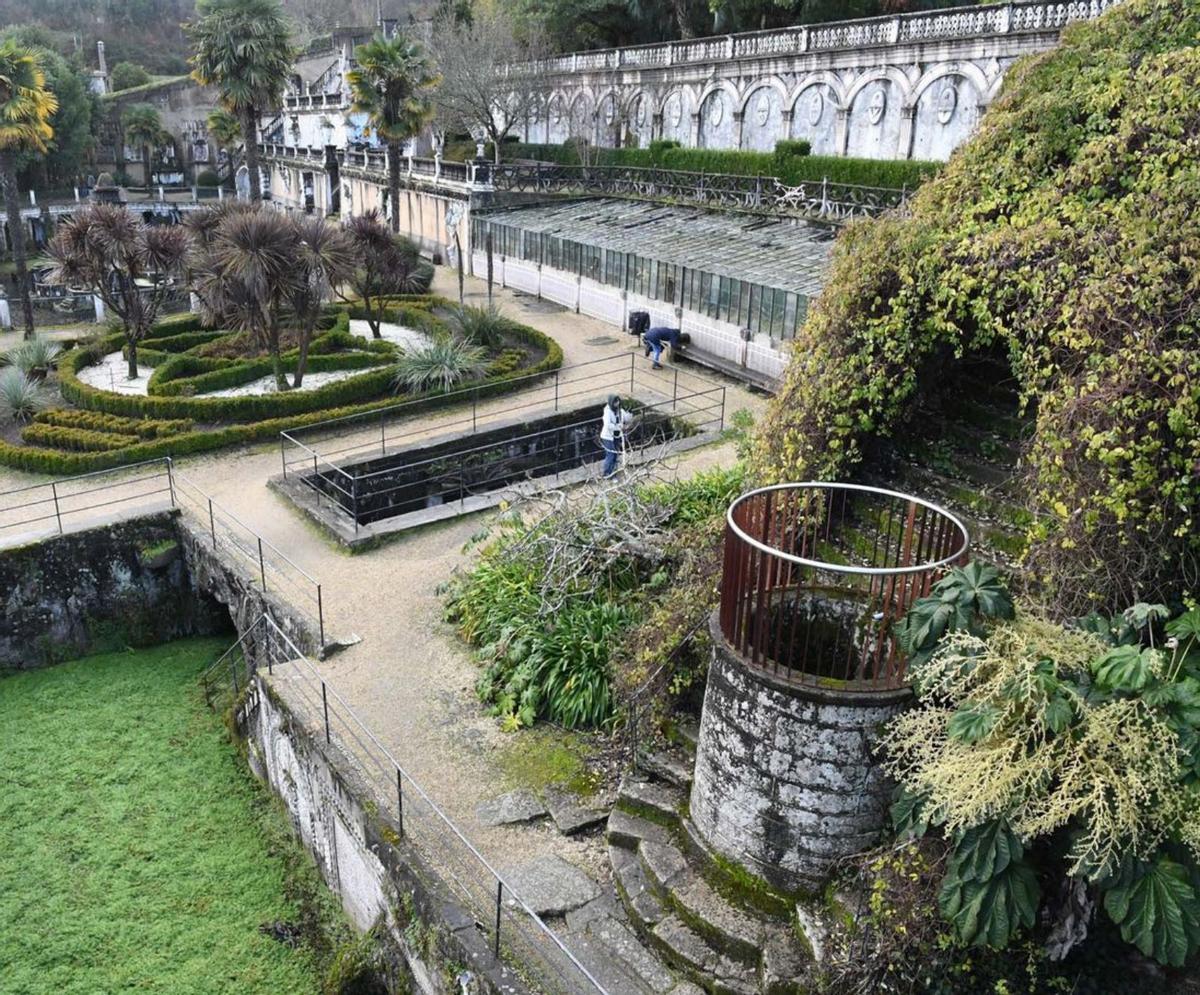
{"points": [[35, 354], [21, 397], [439, 365], [1055, 760]]}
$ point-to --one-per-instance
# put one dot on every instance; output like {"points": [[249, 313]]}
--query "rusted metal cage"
{"points": [[816, 575]]}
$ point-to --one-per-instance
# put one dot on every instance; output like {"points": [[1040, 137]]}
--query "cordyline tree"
{"points": [[144, 130], [391, 83], [243, 49], [263, 272], [479, 92], [25, 110], [387, 264], [127, 263]]}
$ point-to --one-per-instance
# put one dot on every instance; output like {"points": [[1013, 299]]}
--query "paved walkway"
{"points": [[409, 678]]}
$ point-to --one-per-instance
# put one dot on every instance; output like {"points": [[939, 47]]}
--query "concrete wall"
{"points": [[183, 106], [431, 941], [100, 589], [786, 782]]}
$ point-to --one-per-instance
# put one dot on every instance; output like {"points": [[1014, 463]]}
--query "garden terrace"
{"points": [[816, 575], [361, 482], [170, 413]]}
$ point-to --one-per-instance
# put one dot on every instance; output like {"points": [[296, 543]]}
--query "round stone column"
{"points": [[786, 780]]}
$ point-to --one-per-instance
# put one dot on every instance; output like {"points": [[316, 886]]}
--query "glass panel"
{"points": [[723, 299]]}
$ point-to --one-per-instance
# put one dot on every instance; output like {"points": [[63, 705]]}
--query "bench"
{"points": [[702, 357]]}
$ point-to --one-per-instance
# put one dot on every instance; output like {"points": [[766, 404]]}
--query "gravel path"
{"points": [[410, 679]]}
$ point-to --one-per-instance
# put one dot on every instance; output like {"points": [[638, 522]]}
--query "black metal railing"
{"points": [[319, 453], [816, 575], [516, 932]]}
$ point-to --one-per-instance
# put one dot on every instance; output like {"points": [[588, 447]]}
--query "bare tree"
{"points": [[491, 76]]}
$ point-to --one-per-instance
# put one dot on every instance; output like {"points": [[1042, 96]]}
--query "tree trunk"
{"points": [[302, 359], [281, 380], [394, 182], [132, 353], [146, 181], [250, 135], [16, 234], [682, 19]]}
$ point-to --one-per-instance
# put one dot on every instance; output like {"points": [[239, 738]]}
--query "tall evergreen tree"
{"points": [[244, 50], [26, 107], [392, 84]]}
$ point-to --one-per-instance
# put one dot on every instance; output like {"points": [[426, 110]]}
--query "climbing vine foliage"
{"points": [[1066, 235]]}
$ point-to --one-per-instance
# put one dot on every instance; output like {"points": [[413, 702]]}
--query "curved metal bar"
{"points": [[842, 567]]}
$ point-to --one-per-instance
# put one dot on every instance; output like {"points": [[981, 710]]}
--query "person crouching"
{"points": [[656, 338]]}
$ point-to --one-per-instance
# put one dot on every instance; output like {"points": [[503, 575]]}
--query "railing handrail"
{"points": [[300, 659], [90, 473], [675, 52], [847, 567]]}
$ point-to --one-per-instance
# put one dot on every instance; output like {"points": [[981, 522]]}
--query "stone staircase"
{"points": [[685, 907]]}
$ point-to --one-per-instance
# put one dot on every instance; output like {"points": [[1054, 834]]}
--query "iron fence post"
{"points": [[171, 480], [57, 513], [283, 454], [233, 671], [474, 410], [722, 426], [212, 523], [262, 567], [321, 617], [354, 497], [675, 389], [499, 899], [632, 368], [556, 390], [382, 434], [400, 802], [325, 705]]}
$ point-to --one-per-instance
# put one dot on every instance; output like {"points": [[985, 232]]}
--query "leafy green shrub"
{"points": [[1051, 237], [127, 75], [791, 167], [1044, 754], [97, 421], [20, 397], [207, 178], [75, 439], [439, 365], [789, 148]]}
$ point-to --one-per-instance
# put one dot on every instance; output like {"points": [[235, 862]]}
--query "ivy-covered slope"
{"points": [[1066, 234]]}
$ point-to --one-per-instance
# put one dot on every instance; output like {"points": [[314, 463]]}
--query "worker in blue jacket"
{"points": [[656, 338]]}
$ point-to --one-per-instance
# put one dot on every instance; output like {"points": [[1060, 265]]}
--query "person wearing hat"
{"points": [[613, 423]]}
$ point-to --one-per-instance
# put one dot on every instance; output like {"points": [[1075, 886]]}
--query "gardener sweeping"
{"points": [[656, 338], [613, 423]]}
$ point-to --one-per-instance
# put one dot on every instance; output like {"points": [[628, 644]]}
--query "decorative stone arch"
{"points": [[581, 115], [817, 113], [878, 115], [609, 116], [763, 111], [675, 108], [638, 113], [820, 77], [716, 120], [947, 103], [558, 117]]}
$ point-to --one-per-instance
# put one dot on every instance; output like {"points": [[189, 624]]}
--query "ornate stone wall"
{"points": [[911, 86], [785, 781]]}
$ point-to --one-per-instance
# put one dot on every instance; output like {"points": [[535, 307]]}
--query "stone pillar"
{"points": [[786, 782], [694, 131], [908, 117], [842, 132]]}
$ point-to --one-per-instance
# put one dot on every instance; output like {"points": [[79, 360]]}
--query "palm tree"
{"points": [[392, 85], [226, 133], [25, 109], [144, 130], [128, 264], [243, 49], [325, 257]]}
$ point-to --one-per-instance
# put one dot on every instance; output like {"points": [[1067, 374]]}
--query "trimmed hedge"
{"points": [[75, 439], [792, 169], [186, 375], [50, 461], [97, 421]]}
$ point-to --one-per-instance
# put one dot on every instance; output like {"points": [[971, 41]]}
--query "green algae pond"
{"points": [[139, 853]]}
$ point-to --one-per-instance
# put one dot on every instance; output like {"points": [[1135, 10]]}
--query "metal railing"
{"points": [[269, 567], [516, 932], [354, 438], [90, 499], [815, 575]]}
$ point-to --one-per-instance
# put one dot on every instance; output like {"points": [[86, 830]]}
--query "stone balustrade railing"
{"points": [[953, 22], [313, 101]]}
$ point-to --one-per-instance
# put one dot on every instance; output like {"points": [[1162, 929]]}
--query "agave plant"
{"points": [[441, 364], [481, 326], [35, 355], [20, 397]]}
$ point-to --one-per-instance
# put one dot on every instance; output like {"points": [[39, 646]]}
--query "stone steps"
{"points": [[672, 765], [660, 879]]}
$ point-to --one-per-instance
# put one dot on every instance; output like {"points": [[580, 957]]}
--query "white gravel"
{"points": [[111, 373]]}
